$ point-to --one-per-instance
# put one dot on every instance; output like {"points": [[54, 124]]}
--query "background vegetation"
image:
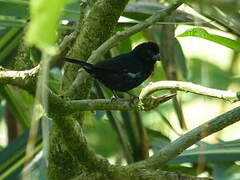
{"points": [[42, 132]]}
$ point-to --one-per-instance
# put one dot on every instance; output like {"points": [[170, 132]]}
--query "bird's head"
{"points": [[147, 51]]}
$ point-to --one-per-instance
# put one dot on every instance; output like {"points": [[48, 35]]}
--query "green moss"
{"points": [[96, 29]]}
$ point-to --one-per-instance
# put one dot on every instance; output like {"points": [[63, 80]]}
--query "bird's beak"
{"points": [[156, 57]]}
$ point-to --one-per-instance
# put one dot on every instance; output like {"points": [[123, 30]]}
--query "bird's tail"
{"points": [[87, 66]]}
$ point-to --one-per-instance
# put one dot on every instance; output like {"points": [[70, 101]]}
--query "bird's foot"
{"points": [[134, 100], [115, 96]]}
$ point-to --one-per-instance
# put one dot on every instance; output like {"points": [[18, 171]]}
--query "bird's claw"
{"points": [[134, 100]]}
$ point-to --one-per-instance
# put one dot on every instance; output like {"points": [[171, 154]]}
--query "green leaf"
{"points": [[9, 42], [20, 9], [180, 59], [157, 139], [202, 33], [213, 153], [11, 23], [45, 16], [15, 8], [12, 157], [19, 102]]}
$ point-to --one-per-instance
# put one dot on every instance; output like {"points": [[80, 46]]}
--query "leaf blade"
{"points": [[202, 33]]}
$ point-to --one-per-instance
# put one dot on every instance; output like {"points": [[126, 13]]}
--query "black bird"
{"points": [[126, 71]]}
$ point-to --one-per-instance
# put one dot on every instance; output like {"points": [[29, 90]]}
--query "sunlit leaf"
{"points": [[202, 33], [45, 16]]}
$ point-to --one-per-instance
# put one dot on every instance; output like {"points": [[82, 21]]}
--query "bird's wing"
{"points": [[125, 63]]}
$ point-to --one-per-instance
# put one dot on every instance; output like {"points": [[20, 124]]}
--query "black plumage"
{"points": [[126, 71]]}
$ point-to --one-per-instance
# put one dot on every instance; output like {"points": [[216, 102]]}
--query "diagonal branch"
{"points": [[179, 145], [120, 36]]}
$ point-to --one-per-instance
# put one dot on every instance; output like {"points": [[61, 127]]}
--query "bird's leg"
{"points": [[115, 95], [133, 99]]}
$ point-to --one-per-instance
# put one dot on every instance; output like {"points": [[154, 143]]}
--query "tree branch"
{"points": [[24, 79], [189, 87], [77, 144], [179, 145], [144, 174], [116, 104]]}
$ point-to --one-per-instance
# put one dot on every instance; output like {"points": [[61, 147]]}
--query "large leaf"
{"points": [[202, 33], [12, 157], [20, 9], [20, 104], [45, 16], [15, 8], [214, 153], [9, 42], [11, 23]]}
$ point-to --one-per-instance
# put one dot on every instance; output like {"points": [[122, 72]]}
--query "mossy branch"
{"points": [[26, 80]]}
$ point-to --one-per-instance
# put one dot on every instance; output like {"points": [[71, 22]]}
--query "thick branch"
{"points": [[178, 146], [23, 79], [144, 174], [116, 104], [26, 80], [188, 87], [76, 143], [101, 104], [59, 106]]}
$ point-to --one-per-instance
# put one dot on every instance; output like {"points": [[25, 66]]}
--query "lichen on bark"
{"points": [[96, 28]]}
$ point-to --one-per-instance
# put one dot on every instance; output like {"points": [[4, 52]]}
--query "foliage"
{"points": [[119, 135]]}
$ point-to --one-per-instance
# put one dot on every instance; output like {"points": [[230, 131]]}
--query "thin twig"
{"points": [[23, 79], [120, 36]]}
